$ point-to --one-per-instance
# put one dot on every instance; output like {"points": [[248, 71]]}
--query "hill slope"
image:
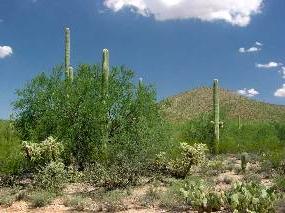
{"points": [[188, 105]]}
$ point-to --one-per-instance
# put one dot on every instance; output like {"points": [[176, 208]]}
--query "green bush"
{"points": [[181, 165], [251, 197], [12, 160], [7, 200], [116, 173], [74, 113], [40, 198], [52, 177], [78, 203], [279, 183]]}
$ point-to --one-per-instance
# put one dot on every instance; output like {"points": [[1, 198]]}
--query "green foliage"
{"points": [[52, 177], [11, 157], [78, 202], [253, 137], [274, 159], [279, 183], [41, 198], [201, 196], [118, 175], [181, 165], [74, 113], [40, 154], [113, 200], [251, 197], [7, 200]]}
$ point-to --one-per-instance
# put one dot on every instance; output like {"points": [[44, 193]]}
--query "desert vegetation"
{"points": [[90, 138]]}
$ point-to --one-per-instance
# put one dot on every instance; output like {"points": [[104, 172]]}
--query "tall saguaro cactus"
{"points": [[67, 66], [216, 122], [105, 74], [67, 51], [105, 91], [216, 104]]}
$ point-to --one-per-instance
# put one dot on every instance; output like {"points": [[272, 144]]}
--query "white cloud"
{"points": [[236, 12], [5, 51], [254, 48], [248, 92], [282, 71], [249, 50], [269, 65], [280, 92]]}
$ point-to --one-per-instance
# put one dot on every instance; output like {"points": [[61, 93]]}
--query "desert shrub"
{"points": [[74, 113], [40, 198], [7, 200], [151, 196], [251, 197], [117, 173], [12, 160], [279, 183], [40, 154], [273, 159], [52, 177], [113, 200], [78, 202], [181, 165], [172, 197], [252, 178], [201, 196]]}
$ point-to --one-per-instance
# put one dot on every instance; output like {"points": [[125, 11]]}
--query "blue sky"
{"points": [[177, 45]]}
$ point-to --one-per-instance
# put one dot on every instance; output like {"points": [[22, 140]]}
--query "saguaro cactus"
{"points": [[70, 73], [216, 122], [105, 74], [105, 91], [67, 51], [216, 103], [239, 122], [244, 161], [140, 82]]}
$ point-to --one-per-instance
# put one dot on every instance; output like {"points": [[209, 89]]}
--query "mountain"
{"points": [[191, 104]]}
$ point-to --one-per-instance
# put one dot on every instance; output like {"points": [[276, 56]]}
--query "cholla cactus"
{"points": [[43, 152], [217, 123]]}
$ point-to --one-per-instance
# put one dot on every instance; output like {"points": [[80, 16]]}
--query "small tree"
{"points": [[73, 112]]}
